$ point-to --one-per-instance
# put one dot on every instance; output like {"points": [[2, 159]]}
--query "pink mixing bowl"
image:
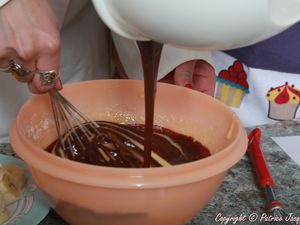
{"points": [[94, 195]]}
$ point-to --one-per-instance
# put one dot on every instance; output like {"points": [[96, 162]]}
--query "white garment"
{"points": [[171, 57], [3, 2], [84, 56]]}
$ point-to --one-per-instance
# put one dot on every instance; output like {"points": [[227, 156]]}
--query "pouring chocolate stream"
{"points": [[150, 54]]}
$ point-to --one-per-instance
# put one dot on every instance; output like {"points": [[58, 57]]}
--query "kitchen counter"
{"points": [[240, 198]]}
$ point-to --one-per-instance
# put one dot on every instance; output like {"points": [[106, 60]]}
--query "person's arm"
{"points": [[30, 37]]}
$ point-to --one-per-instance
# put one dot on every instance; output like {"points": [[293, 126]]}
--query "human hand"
{"points": [[30, 37], [195, 74]]}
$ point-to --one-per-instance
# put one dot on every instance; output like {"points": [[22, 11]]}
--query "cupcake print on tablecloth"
{"points": [[232, 85], [284, 101]]}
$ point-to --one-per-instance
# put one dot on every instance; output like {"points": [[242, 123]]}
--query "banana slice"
{"points": [[12, 179], [9, 190], [16, 174], [4, 215]]}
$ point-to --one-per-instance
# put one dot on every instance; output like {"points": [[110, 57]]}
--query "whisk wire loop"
{"points": [[67, 119], [75, 113]]}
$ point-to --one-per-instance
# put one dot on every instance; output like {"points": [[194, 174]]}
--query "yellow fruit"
{"points": [[16, 174], [4, 215], [10, 192]]}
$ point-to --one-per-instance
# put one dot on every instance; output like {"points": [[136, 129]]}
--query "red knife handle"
{"points": [[258, 159]]}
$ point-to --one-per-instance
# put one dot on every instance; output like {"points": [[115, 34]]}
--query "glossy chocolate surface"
{"points": [[119, 145]]}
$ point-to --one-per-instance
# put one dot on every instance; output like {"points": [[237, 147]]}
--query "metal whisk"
{"points": [[72, 125], [278, 215]]}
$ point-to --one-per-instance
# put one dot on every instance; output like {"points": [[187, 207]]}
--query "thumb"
{"points": [[183, 75], [204, 77]]}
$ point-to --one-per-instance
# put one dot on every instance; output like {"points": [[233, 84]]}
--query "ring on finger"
{"points": [[48, 77], [18, 72]]}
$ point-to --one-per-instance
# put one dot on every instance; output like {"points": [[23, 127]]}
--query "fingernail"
{"points": [[59, 85], [189, 86]]}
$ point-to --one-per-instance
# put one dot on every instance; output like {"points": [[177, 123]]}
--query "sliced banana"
{"points": [[12, 180], [9, 190], [4, 215], [16, 174]]}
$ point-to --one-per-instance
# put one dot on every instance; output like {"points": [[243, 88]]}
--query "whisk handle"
{"points": [[258, 159]]}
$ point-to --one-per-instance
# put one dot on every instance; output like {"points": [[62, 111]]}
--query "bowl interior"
{"points": [[182, 110]]}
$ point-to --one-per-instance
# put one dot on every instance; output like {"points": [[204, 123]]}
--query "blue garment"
{"points": [[279, 53]]}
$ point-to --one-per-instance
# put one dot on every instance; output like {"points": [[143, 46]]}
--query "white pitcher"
{"points": [[201, 24]]}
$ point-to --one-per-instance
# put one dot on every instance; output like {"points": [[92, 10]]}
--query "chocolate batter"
{"points": [[122, 145]]}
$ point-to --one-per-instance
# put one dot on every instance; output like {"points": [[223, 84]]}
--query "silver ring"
{"points": [[17, 71], [48, 77]]}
